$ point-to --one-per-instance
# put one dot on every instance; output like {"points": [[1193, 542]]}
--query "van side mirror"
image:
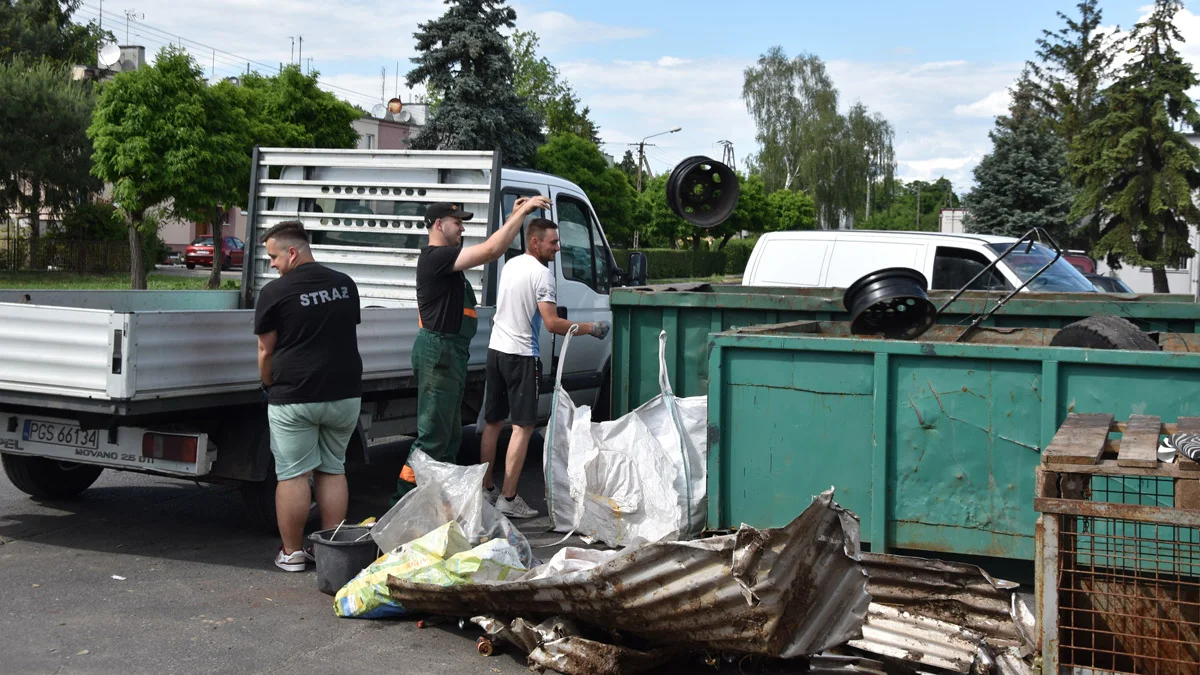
{"points": [[637, 269]]}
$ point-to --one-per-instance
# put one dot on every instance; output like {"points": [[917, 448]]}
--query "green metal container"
{"points": [[690, 313], [933, 444]]}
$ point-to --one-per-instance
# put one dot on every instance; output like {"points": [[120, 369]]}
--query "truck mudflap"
{"points": [[130, 448]]}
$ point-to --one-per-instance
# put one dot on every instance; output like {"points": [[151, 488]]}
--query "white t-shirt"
{"points": [[524, 282]]}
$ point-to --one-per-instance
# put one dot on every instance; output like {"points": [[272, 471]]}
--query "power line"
{"points": [[158, 35]]}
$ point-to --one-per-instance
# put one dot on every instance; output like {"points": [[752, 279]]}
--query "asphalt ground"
{"points": [[199, 592]]}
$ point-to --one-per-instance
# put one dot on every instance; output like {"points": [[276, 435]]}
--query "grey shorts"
{"points": [[312, 436]]}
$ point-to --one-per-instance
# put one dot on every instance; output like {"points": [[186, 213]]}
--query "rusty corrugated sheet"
{"points": [[784, 592], [956, 593], [558, 644], [915, 639]]}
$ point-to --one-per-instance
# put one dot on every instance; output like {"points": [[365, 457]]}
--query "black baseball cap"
{"points": [[443, 209]]}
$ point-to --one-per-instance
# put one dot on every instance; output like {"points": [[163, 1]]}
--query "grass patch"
{"points": [[66, 280]]}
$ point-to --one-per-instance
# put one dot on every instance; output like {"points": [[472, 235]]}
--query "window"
{"points": [[575, 241], [508, 199], [954, 268], [1026, 260]]}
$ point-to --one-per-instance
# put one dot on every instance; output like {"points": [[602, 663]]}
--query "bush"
{"points": [[662, 263], [737, 254]]}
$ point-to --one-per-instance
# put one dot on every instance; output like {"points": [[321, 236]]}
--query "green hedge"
{"points": [[664, 263]]}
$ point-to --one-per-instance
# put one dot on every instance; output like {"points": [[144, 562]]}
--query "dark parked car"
{"points": [[1108, 284], [200, 252]]}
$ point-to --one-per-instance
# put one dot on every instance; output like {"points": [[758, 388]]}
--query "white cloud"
{"points": [[669, 61], [995, 103], [557, 30]]}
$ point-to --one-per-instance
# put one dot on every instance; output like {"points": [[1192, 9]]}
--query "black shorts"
{"points": [[512, 387]]}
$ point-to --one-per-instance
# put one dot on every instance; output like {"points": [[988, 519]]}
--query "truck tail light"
{"points": [[170, 446]]}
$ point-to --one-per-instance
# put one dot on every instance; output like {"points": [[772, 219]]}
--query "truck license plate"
{"points": [[56, 433]]}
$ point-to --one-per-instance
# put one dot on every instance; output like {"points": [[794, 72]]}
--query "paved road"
{"points": [[200, 592]]}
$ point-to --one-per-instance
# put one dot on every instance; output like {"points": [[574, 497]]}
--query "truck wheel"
{"points": [[1104, 332], [48, 478], [191, 266]]}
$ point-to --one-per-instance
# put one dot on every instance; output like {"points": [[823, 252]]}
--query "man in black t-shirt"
{"points": [[306, 322], [446, 311]]}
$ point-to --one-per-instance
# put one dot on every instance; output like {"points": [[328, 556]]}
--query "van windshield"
{"points": [[1061, 276]]}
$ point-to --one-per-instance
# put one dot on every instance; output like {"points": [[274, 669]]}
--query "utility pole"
{"points": [[727, 154], [301, 48], [642, 154], [918, 205], [130, 14], [292, 55]]}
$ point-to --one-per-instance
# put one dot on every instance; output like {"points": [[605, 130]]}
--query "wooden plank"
{"points": [[1045, 483], [1139, 443], [1188, 425], [1109, 467], [1187, 493], [1080, 439], [1151, 515], [1168, 428]]}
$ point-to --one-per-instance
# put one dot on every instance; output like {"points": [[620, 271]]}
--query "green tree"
{"points": [[580, 161], [806, 144], [44, 148], [1137, 172], [1021, 184], [161, 134], [1073, 65], [35, 30], [628, 166], [915, 207], [463, 57], [546, 92], [792, 210], [289, 110]]}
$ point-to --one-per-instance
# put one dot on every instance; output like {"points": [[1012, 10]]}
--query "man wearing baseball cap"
{"points": [[446, 310]]}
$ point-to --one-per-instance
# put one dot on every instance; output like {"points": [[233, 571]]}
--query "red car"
{"points": [[200, 252]]}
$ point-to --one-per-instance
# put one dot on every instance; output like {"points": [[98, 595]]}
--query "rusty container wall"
{"points": [[933, 445], [690, 313]]}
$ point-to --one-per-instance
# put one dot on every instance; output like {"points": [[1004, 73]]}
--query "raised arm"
{"points": [[498, 243]]}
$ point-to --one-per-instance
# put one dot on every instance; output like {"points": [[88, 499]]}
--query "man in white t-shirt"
{"points": [[526, 300]]}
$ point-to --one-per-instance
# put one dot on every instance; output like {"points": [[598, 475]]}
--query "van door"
{"points": [[955, 267], [855, 257], [584, 275]]}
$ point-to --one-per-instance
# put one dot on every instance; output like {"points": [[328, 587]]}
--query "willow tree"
{"points": [[806, 144]]}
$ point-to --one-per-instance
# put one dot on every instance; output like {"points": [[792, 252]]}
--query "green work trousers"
{"points": [[440, 364]]}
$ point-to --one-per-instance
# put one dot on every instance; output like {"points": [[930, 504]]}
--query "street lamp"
{"points": [[642, 153]]}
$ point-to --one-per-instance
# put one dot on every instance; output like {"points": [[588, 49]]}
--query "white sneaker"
{"points": [[291, 562], [491, 494], [516, 508]]}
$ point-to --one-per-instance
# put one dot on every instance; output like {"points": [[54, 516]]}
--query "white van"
{"points": [[838, 258]]}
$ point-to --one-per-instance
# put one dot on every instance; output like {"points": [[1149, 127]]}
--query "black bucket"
{"points": [[342, 556], [890, 302], [702, 191]]}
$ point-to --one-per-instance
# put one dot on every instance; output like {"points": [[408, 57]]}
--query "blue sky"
{"points": [[936, 69]]}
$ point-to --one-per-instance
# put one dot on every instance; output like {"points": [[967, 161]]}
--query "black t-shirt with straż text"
{"points": [[440, 289], [314, 312]]}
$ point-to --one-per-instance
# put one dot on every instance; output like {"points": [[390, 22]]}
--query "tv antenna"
{"points": [[131, 14]]}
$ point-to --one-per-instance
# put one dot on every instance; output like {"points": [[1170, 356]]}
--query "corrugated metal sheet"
{"points": [[783, 592], [916, 639], [952, 592], [558, 644], [837, 664]]}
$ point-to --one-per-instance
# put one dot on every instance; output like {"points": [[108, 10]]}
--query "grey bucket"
{"points": [[341, 556]]}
